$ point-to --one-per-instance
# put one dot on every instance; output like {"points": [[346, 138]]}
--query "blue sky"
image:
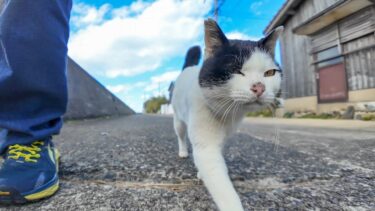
{"points": [[136, 48]]}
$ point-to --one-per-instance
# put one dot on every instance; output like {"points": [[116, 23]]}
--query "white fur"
{"points": [[207, 116]]}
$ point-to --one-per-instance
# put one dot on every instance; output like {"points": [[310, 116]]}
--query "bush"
{"points": [[318, 116], [288, 115], [262, 113], [368, 118], [153, 104]]}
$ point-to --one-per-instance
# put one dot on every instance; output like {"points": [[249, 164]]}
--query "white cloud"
{"points": [[84, 15], [136, 38], [119, 88], [162, 81], [255, 7], [166, 77], [125, 88], [135, 94], [241, 36]]}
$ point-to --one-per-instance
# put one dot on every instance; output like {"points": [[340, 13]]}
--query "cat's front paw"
{"points": [[183, 154]]}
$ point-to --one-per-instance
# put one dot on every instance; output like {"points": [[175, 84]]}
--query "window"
{"points": [[330, 56], [328, 53]]}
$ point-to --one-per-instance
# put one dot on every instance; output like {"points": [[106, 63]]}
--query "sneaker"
{"points": [[29, 172]]}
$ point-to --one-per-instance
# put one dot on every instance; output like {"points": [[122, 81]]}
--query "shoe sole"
{"points": [[14, 197], [11, 196]]}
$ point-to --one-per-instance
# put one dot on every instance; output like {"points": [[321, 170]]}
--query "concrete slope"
{"points": [[88, 98]]}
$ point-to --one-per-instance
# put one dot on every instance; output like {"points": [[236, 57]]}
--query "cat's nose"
{"points": [[258, 89]]}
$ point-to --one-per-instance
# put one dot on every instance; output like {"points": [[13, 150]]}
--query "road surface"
{"points": [[131, 163]]}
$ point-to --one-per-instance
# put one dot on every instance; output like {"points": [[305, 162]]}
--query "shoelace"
{"points": [[27, 152]]}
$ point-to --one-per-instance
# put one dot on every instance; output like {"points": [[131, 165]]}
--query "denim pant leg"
{"points": [[33, 58]]}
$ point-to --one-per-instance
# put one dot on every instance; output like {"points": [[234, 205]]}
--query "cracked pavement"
{"points": [[131, 163]]}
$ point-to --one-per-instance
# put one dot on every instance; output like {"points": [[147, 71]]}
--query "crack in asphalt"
{"points": [[176, 187], [267, 184]]}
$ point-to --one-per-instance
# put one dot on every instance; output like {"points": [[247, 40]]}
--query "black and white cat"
{"points": [[209, 102]]}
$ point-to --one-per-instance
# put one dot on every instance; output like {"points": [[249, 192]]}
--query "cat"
{"points": [[209, 102]]}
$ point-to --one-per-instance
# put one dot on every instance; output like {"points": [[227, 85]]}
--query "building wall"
{"points": [[299, 74], [356, 98], [355, 37]]}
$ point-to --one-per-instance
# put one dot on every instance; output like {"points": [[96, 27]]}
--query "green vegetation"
{"points": [[370, 117], [153, 104], [312, 115], [289, 115], [318, 116], [330, 115], [262, 113]]}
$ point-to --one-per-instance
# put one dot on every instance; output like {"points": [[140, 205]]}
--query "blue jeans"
{"points": [[33, 58]]}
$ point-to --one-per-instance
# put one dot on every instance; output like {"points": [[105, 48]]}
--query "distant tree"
{"points": [[153, 104]]}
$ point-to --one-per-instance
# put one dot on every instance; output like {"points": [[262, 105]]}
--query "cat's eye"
{"points": [[269, 73]]}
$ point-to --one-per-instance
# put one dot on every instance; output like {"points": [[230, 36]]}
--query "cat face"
{"points": [[241, 71]]}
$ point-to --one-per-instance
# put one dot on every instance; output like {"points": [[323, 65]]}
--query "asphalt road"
{"points": [[131, 163]]}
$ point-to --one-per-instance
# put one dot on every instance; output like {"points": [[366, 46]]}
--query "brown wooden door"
{"points": [[332, 84]]}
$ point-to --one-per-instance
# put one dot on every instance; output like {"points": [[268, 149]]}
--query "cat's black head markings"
{"points": [[224, 57]]}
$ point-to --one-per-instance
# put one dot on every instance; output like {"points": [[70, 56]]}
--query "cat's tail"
{"points": [[192, 57]]}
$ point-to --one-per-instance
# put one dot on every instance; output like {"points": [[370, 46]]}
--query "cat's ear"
{"points": [[269, 42], [214, 38]]}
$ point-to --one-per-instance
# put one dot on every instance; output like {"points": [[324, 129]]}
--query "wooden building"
{"points": [[327, 53]]}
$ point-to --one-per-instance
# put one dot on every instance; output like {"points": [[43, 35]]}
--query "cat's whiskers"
{"points": [[276, 130], [217, 103], [235, 111], [227, 111], [240, 96], [216, 110], [220, 115]]}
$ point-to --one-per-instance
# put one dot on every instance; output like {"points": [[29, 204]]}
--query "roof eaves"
{"points": [[281, 16]]}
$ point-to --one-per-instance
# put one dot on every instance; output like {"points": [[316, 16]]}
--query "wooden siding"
{"points": [[360, 62], [297, 50], [311, 7], [357, 25], [300, 79], [355, 36], [324, 39]]}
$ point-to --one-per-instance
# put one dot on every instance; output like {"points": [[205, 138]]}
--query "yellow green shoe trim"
{"points": [[43, 194]]}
